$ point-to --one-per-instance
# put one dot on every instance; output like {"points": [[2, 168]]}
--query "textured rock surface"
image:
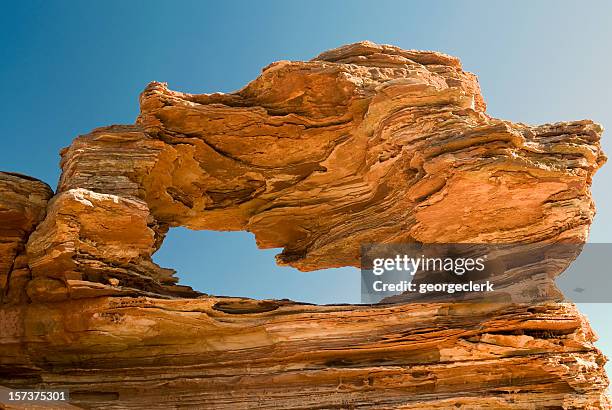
{"points": [[317, 157], [363, 144], [241, 354], [91, 242], [23, 202]]}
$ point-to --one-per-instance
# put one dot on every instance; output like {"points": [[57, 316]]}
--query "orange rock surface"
{"points": [[363, 144]]}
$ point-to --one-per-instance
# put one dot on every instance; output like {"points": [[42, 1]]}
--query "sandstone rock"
{"points": [[363, 144], [23, 202], [97, 238], [229, 353], [318, 157]]}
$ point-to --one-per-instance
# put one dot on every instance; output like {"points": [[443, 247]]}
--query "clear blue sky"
{"points": [[70, 66]]}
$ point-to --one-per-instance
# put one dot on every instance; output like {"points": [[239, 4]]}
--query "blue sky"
{"points": [[70, 66]]}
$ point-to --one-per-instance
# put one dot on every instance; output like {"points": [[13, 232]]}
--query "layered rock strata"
{"points": [[363, 144], [226, 353]]}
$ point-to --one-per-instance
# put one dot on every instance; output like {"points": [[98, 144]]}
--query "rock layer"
{"points": [[227, 353], [363, 144]]}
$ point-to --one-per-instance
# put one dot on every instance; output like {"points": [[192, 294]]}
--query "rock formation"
{"points": [[363, 144], [23, 203]]}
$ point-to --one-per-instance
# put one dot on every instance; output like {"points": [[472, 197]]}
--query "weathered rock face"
{"points": [[225, 353], [364, 144], [23, 202], [90, 242]]}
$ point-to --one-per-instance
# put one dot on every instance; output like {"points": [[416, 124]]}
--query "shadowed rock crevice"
{"points": [[23, 203]]}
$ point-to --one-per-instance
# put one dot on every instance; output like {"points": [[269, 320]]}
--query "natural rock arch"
{"points": [[365, 143]]}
